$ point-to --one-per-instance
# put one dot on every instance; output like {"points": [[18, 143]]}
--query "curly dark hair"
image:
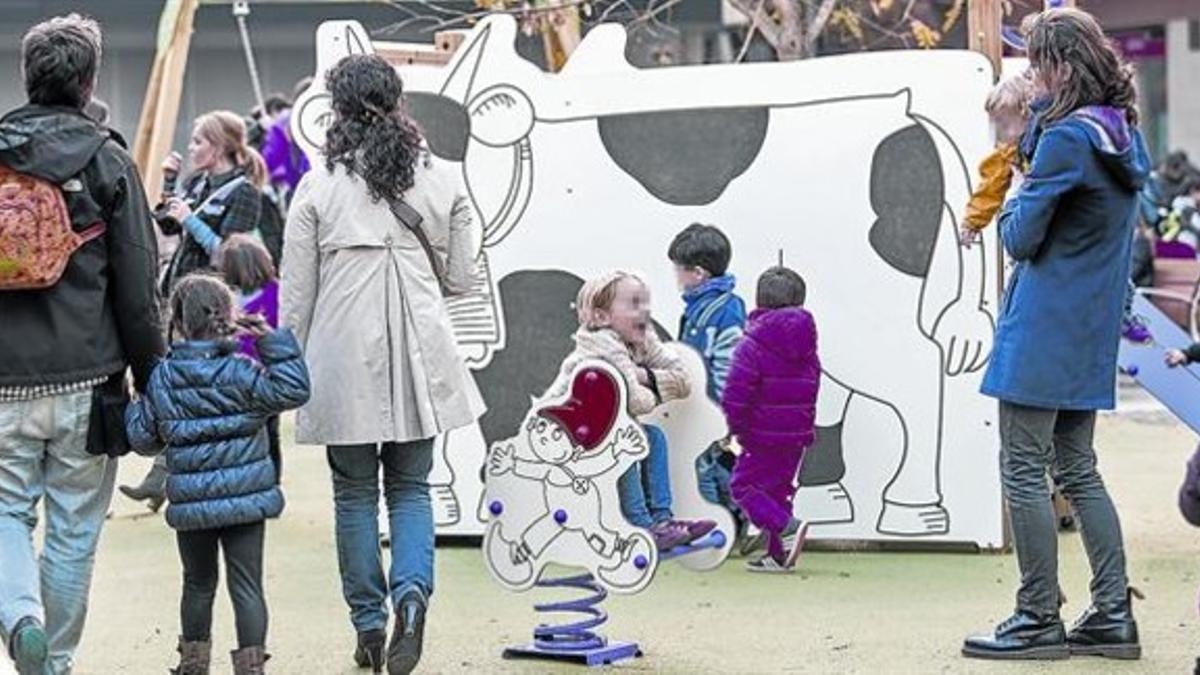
{"points": [[370, 135]]}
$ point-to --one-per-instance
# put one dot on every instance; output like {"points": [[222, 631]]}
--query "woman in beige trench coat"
{"points": [[361, 293]]}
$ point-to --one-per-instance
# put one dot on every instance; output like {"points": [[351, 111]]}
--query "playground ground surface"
{"points": [[843, 612]]}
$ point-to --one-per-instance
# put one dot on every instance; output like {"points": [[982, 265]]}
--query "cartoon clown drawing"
{"points": [[567, 458]]}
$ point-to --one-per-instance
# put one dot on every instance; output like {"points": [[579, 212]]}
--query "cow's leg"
{"points": [[912, 499], [446, 510], [821, 497]]}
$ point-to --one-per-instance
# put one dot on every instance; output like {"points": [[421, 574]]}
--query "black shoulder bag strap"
{"points": [[410, 219]]}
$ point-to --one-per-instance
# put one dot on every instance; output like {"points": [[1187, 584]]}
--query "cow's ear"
{"points": [[907, 186], [357, 41], [461, 80]]}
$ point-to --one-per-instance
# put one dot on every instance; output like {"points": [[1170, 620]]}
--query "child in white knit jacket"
{"points": [[615, 326]]}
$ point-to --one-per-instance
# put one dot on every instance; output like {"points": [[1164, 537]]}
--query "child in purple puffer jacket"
{"points": [[770, 403]]}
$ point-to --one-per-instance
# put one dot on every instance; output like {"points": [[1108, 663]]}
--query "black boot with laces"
{"points": [[1023, 636]]}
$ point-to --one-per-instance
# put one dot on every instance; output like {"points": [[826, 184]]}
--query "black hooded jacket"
{"points": [[103, 313]]}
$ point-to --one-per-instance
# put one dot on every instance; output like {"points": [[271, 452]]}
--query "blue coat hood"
{"points": [[1113, 141]]}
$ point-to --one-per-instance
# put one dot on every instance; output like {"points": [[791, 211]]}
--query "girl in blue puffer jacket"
{"points": [[209, 406]]}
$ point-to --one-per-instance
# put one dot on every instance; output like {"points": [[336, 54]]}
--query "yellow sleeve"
{"points": [[996, 175]]}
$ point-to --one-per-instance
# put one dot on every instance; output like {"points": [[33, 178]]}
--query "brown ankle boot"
{"points": [[194, 658], [249, 661]]}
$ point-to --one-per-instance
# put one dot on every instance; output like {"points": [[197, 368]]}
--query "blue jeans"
{"points": [[43, 453], [713, 478], [406, 469], [645, 489]]}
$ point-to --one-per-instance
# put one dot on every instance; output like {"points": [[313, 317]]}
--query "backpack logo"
{"points": [[36, 238]]}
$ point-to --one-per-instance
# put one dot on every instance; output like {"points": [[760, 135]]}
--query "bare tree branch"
{"points": [[750, 33], [817, 26], [767, 28]]}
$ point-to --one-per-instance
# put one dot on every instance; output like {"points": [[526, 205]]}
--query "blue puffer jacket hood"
{"points": [[209, 406]]}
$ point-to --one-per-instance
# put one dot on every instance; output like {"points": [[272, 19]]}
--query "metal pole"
{"points": [[241, 10]]}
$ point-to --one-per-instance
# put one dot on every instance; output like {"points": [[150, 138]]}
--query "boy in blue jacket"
{"points": [[713, 321], [209, 406]]}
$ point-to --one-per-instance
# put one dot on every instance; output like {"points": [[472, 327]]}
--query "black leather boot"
{"points": [[404, 651], [370, 650], [1021, 636], [1110, 632]]}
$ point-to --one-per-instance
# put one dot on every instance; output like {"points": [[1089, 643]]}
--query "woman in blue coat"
{"points": [[209, 406], [1069, 230]]}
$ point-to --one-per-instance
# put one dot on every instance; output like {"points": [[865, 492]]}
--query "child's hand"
{"points": [[968, 237], [253, 325], [1175, 358], [503, 459], [643, 377]]}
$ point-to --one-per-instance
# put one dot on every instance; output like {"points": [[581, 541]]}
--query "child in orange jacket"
{"points": [[1008, 107]]}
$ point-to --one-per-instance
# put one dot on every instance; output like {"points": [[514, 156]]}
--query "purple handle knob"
{"points": [[640, 561], [496, 508], [560, 516]]}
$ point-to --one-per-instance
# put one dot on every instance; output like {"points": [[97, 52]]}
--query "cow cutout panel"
{"points": [[853, 170]]}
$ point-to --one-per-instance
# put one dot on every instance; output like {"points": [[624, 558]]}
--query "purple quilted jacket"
{"points": [[770, 398]]}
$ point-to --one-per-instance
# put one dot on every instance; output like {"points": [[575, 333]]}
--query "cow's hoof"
{"points": [[907, 520], [445, 505], [823, 504]]}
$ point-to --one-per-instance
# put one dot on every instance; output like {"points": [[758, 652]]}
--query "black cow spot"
{"points": [[539, 319], [444, 121], [907, 196], [824, 461], [685, 157]]}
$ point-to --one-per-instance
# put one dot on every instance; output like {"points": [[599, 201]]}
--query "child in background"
{"points": [[615, 326], [1008, 107], [208, 405], [246, 265], [770, 403], [712, 322]]}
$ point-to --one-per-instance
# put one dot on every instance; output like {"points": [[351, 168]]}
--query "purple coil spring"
{"points": [[578, 635]]}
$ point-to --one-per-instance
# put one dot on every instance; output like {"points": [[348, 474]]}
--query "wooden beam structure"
{"points": [[445, 43], [983, 31], [160, 108]]}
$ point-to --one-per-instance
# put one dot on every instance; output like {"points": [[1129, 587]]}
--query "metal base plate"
{"points": [[610, 653]]}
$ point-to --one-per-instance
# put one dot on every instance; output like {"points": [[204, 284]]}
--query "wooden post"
{"points": [[561, 32], [983, 30], [160, 109]]}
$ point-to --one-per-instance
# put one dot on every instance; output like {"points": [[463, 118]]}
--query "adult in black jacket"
{"points": [[58, 345]]}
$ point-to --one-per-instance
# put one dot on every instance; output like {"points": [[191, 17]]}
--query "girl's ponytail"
{"points": [[252, 162], [371, 137]]}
